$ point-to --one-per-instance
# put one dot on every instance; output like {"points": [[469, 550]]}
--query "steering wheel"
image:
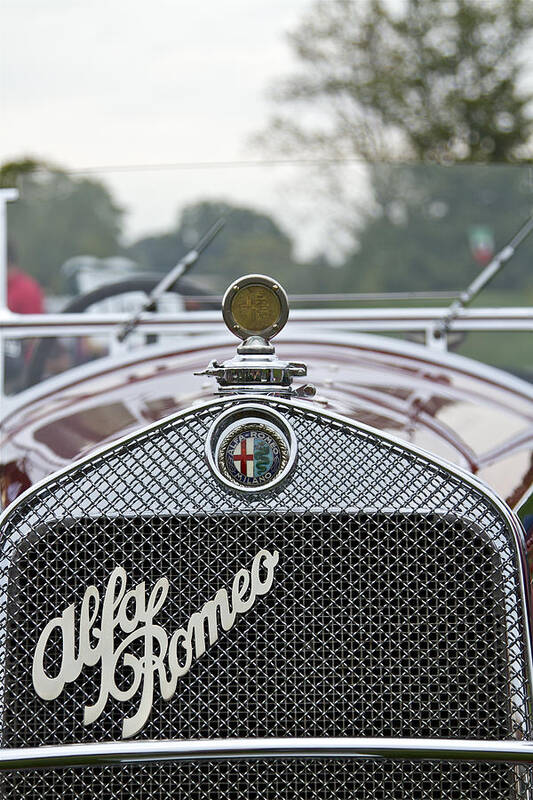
{"points": [[140, 283]]}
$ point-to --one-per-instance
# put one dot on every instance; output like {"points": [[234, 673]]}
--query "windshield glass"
{"points": [[367, 154], [380, 236]]}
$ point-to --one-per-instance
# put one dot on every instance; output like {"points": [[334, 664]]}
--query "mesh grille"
{"points": [[361, 635], [395, 609], [281, 779]]}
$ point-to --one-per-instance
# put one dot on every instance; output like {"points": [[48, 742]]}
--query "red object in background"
{"points": [[24, 295], [481, 244]]}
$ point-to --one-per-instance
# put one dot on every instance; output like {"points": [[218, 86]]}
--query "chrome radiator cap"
{"points": [[256, 308]]}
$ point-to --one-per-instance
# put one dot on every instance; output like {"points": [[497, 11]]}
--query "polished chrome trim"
{"points": [[390, 319], [19, 326], [365, 342], [244, 413], [512, 521], [100, 753]]}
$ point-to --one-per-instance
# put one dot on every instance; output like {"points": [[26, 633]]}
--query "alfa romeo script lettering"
{"points": [[133, 614]]}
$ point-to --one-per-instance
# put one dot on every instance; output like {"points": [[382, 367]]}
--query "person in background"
{"points": [[24, 296]]}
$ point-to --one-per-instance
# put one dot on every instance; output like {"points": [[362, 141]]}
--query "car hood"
{"points": [[471, 415]]}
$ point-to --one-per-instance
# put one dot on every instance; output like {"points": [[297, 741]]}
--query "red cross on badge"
{"points": [[245, 458]]}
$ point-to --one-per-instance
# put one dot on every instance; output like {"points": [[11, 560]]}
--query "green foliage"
{"points": [[158, 253], [419, 236], [436, 80], [57, 217], [249, 242], [415, 238], [12, 171], [508, 350]]}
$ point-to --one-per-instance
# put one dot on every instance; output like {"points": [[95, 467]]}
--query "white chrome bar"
{"points": [[95, 754], [403, 319]]}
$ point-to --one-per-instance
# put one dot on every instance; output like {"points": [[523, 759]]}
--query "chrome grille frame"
{"points": [[423, 771], [356, 748], [133, 752]]}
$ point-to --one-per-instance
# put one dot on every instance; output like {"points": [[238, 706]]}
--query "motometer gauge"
{"points": [[255, 305], [255, 308]]}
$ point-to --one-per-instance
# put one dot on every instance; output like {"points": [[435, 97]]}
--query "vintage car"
{"points": [[224, 578]]}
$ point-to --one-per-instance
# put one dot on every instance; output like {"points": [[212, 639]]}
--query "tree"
{"points": [[418, 237], [57, 217], [250, 242], [437, 80], [11, 172]]}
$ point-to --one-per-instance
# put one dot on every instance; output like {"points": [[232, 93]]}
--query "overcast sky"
{"points": [[127, 82]]}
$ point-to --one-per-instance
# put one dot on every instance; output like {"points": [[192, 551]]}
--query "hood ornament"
{"points": [[255, 308]]}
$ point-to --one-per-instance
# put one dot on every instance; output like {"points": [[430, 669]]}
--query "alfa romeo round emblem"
{"points": [[251, 451], [253, 456]]}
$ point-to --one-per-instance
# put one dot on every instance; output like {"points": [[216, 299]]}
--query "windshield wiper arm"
{"points": [[479, 283], [170, 279]]}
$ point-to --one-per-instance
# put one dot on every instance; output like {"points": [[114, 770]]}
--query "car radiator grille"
{"points": [[395, 611], [281, 779]]}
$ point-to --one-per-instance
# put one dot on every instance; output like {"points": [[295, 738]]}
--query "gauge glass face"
{"points": [[256, 308]]}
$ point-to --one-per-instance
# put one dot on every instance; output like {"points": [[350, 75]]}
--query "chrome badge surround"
{"points": [[234, 437]]}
